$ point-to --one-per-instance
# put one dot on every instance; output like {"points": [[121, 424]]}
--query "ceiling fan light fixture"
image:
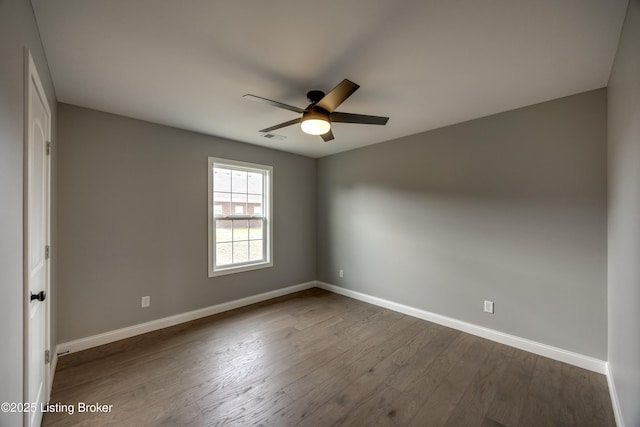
{"points": [[315, 122], [315, 126]]}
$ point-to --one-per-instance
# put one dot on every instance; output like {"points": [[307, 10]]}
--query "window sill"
{"points": [[241, 269]]}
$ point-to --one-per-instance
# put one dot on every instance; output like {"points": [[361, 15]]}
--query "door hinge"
{"points": [[48, 147], [47, 251], [47, 356]]}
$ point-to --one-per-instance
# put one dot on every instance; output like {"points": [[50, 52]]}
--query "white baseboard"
{"points": [[615, 403], [545, 350], [142, 328]]}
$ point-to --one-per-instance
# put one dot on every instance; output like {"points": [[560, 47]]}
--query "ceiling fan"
{"points": [[316, 119]]}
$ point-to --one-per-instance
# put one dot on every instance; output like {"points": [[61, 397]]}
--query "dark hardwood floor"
{"points": [[315, 358]]}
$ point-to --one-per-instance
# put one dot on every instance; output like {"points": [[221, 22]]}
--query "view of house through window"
{"points": [[240, 226]]}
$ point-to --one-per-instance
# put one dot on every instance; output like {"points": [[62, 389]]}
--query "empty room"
{"points": [[285, 213]]}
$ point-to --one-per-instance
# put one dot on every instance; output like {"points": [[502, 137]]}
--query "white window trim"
{"points": [[267, 214]]}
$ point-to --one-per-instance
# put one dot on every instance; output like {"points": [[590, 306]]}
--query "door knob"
{"points": [[40, 296]]}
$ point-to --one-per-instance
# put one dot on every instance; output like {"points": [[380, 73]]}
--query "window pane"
{"points": [[238, 209], [223, 254], [238, 198], [255, 250], [223, 231], [221, 180], [240, 251], [254, 182], [221, 197], [255, 229], [254, 209], [221, 208], [239, 182], [254, 198], [240, 230]]}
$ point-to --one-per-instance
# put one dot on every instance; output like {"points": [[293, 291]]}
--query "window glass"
{"points": [[239, 191]]}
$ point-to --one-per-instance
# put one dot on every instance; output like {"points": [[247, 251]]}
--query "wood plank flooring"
{"points": [[315, 358]]}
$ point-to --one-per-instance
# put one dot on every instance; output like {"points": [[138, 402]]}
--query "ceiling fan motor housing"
{"points": [[315, 113], [315, 95]]}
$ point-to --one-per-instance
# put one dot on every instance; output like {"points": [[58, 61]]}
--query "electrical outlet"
{"points": [[146, 302], [341, 273], [488, 307]]}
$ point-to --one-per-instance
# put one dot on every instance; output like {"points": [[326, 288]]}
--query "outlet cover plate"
{"points": [[488, 307]]}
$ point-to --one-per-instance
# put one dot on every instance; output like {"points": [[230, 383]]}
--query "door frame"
{"points": [[31, 74]]}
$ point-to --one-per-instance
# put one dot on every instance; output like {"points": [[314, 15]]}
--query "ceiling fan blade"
{"points": [[282, 125], [358, 118], [337, 95], [274, 103], [327, 136]]}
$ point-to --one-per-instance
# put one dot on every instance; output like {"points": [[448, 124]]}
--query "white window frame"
{"points": [[267, 215]]}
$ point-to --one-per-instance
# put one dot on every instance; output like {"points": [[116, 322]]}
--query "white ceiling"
{"points": [[423, 63]]}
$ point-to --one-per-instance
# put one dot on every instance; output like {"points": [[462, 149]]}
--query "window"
{"points": [[239, 216]]}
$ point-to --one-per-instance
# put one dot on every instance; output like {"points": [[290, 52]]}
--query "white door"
{"points": [[37, 244]]}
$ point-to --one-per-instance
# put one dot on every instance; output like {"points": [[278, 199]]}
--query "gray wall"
{"points": [[133, 221], [18, 31], [509, 208], [624, 218]]}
